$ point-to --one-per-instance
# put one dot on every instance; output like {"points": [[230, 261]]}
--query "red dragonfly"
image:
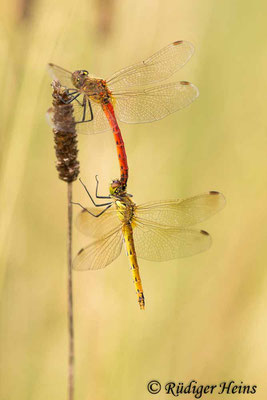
{"points": [[98, 103]]}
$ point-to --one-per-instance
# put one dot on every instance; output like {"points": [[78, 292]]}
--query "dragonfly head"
{"points": [[78, 78], [116, 188]]}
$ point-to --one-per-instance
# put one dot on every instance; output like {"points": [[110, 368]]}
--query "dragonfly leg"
{"points": [[81, 104], [71, 99], [91, 198], [84, 111], [91, 111], [71, 92], [89, 212], [96, 190]]}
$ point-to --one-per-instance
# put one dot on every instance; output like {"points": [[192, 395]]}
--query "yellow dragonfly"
{"points": [[155, 231]]}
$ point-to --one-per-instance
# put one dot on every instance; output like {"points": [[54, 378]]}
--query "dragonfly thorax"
{"points": [[125, 209], [96, 89], [124, 205]]}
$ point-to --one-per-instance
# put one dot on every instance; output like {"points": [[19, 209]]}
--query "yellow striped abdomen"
{"points": [[127, 231]]}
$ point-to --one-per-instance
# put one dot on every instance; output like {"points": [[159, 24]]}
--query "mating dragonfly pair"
{"points": [[156, 231]]}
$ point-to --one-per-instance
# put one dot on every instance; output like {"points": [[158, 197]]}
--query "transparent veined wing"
{"points": [[159, 66], [89, 119], [156, 243], [180, 213], [82, 112], [98, 227], [154, 103], [100, 253], [50, 117], [60, 74]]}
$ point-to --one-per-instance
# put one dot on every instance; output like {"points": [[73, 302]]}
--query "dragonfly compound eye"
{"points": [[115, 187], [78, 78]]}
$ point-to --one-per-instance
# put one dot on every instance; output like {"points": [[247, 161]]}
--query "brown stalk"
{"points": [[61, 116]]}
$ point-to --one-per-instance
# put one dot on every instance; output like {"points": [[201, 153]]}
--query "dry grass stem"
{"points": [[65, 137]]}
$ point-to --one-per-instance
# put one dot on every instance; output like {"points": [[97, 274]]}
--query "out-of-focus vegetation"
{"points": [[206, 315]]}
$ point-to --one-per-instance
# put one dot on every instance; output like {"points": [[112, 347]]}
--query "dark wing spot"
{"points": [[213, 192], [204, 233], [185, 83], [177, 42], [80, 251]]}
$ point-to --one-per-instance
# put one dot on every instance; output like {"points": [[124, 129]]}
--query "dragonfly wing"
{"points": [[156, 243], [97, 227], [60, 74], [158, 67], [89, 116], [154, 103], [82, 112], [100, 253], [50, 117], [180, 213]]}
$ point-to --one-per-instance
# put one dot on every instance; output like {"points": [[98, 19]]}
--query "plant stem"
{"points": [[70, 300], [68, 167]]}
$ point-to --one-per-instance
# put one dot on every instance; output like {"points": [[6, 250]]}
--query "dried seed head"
{"points": [[65, 136]]}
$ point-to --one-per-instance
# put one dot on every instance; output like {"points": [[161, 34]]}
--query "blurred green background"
{"points": [[205, 317]]}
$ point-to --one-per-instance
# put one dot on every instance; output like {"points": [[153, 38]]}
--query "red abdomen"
{"points": [[109, 111]]}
